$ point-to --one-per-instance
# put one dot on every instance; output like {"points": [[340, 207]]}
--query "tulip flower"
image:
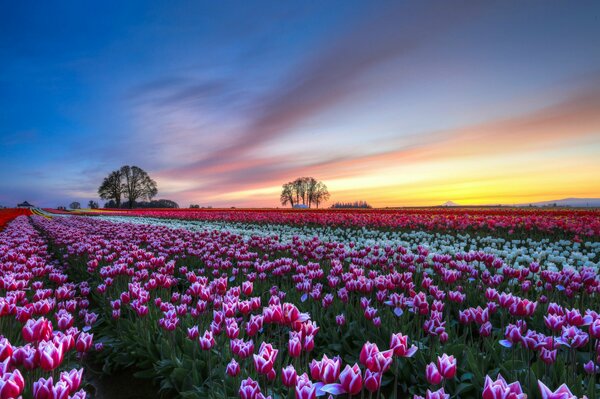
{"points": [[499, 389], [249, 389], [233, 368], [72, 379], [42, 388], [372, 380], [11, 385], [206, 341], [51, 356], [289, 376], [351, 379], [6, 349], [432, 374], [84, 342], [305, 388], [330, 369], [447, 366], [562, 392], [591, 367], [439, 394], [399, 344]]}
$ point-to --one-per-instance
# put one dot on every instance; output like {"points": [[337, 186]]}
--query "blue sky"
{"points": [[398, 103]]}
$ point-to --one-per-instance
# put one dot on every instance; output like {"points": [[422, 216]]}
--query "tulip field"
{"points": [[251, 304]]}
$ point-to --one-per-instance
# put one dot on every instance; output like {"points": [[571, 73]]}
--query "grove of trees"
{"points": [[307, 191], [158, 203], [75, 205], [130, 182], [355, 204]]}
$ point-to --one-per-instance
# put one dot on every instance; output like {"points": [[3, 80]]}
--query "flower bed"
{"points": [[525, 222], [211, 313]]}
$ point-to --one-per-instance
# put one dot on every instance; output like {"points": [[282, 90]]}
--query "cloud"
{"points": [[571, 118], [393, 31]]}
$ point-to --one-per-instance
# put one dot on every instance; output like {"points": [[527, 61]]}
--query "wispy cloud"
{"points": [[571, 117]]}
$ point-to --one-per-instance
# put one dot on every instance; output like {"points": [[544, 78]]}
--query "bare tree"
{"points": [[137, 184], [287, 194], [321, 194], [112, 187]]}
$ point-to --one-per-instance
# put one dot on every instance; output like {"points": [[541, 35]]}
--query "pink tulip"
{"points": [[249, 389], [206, 341], [548, 356], [562, 392], [37, 330], [305, 388], [351, 379], [595, 329], [447, 366], [72, 379], [193, 333], [499, 389], [42, 388], [289, 376], [51, 356], [591, 368], [330, 369], [11, 385], [399, 344], [432, 374], [294, 345], [84, 342], [372, 380], [233, 368]]}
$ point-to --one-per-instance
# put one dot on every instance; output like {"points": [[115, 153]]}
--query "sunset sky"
{"points": [[399, 103]]}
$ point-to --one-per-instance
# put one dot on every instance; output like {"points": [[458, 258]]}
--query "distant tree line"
{"points": [[307, 191], [355, 204], [129, 182], [196, 206], [160, 203]]}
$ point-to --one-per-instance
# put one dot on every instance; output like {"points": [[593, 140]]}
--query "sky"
{"points": [[399, 103]]}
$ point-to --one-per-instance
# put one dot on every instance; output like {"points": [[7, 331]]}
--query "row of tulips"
{"points": [[565, 222], [211, 313], [38, 358], [554, 254], [7, 215]]}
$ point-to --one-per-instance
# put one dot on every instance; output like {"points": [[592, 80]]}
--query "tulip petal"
{"points": [[334, 389]]}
